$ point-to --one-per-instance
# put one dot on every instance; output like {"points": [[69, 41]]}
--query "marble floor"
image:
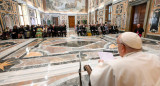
{"points": [[55, 61]]}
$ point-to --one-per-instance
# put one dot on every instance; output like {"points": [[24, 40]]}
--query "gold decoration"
{"points": [[6, 63]]}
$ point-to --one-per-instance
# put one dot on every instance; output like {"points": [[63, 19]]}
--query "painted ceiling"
{"points": [[65, 5]]}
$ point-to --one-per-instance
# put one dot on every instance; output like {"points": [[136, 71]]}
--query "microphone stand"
{"points": [[80, 75]]}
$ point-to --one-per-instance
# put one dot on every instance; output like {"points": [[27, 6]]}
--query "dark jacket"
{"points": [[140, 30]]}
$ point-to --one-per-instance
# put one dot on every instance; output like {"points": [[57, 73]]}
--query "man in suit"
{"points": [[114, 29]]}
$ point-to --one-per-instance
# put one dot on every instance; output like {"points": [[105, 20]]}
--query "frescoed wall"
{"points": [[65, 6], [8, 14], [101, 16], [92, 18], [119, 14], [82, 19], [154, 18], [63, 19]]}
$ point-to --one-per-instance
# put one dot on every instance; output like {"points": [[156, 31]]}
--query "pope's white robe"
{"points": [[135, 69]]}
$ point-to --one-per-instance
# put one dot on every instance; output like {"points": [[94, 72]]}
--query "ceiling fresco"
{"points": [[65, 5]]}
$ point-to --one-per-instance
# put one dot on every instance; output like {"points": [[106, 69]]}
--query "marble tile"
{"points": [[6, 44], [53, 59]]}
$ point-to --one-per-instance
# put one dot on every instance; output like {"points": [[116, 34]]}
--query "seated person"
{"points": [[21, 32], [135, 68], [64, 30], [6, 34], [39, 32], [79, 30], [96, 30], [103, 29], [114, 29], [84, 31], [14, 32], [92, 29]]}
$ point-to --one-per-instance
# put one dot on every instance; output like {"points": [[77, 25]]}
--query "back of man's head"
{"points": [[131, 42]]}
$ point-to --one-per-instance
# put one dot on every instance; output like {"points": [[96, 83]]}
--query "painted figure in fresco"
{"points": [[66, 5], [14, 32], [155, 21], [139, 30], [8, 21]]}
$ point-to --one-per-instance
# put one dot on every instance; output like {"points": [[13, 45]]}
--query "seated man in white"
{"points": [[135, 68]]}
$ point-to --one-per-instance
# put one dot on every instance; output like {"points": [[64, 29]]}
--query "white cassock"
{"points": [[135, 69]]}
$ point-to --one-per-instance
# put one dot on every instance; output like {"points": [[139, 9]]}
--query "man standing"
{"points": [[135, 68], [139, 30]]}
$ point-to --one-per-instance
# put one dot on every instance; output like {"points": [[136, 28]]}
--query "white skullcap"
{"points": [[132, 40]]}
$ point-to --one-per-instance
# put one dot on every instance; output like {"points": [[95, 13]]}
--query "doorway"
{"points": [[71, 21], [138, 15]]}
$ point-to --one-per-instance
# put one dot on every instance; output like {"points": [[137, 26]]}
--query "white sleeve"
{"points": [[102, 76]]}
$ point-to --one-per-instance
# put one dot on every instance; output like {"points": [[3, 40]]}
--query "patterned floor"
{"points": [[43, 61]]}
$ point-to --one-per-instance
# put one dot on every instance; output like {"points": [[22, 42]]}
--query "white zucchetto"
{"points": [[132, 40]]}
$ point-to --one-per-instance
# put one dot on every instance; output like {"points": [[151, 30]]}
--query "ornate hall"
{"points": [[61, 42]]}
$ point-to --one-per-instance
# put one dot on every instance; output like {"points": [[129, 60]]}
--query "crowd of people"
{"points": [[41, 31], [103, 28], [96, 29], [33, 31]]}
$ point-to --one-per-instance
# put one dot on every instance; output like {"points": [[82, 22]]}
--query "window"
{"points": [[110, 13]]}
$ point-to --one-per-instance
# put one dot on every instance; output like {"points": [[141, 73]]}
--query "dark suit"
{"points": [[139, 31], [103, 30], [79, 30], [15, 33], [64, 31], [114, 29]]}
